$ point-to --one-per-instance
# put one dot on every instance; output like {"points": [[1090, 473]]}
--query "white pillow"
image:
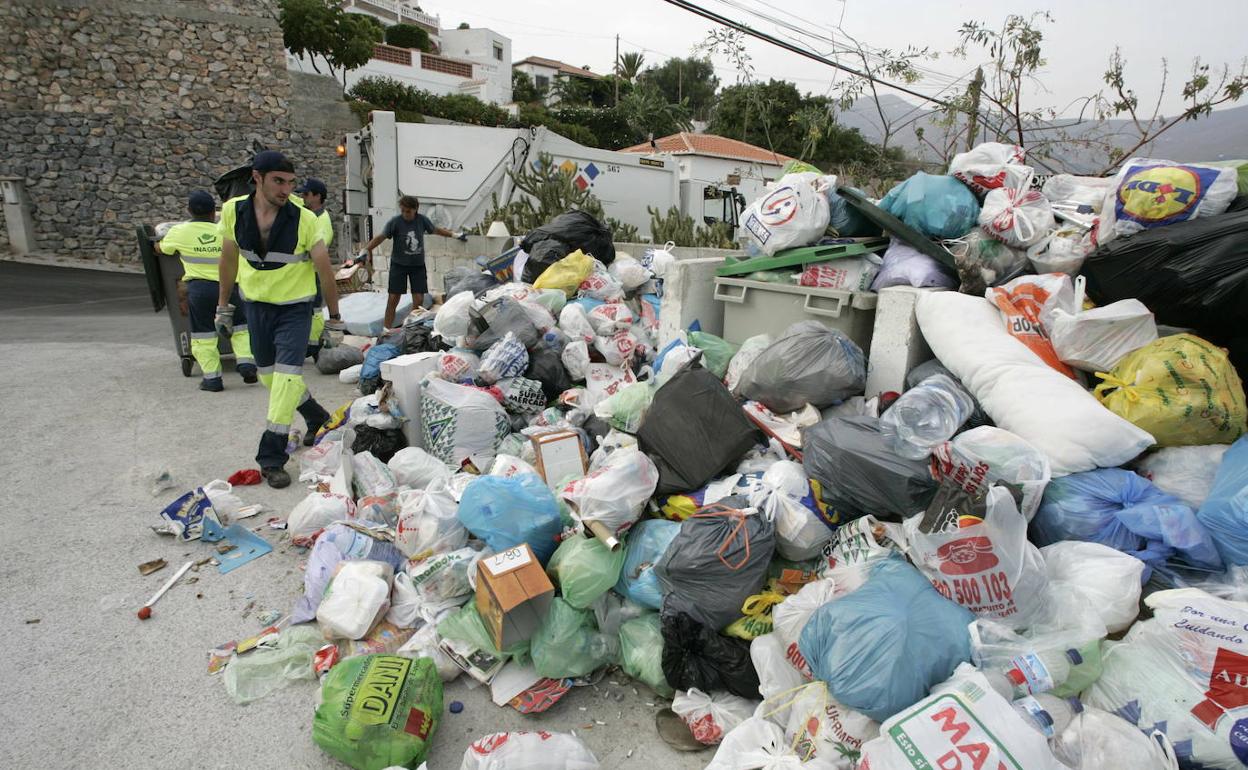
{"points": [[1020, 392]]}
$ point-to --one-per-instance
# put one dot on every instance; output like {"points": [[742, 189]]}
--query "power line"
{"points": [[747, 29]]}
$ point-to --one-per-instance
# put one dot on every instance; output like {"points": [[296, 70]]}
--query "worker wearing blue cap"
{"points": [[314, 193], [198, 244], [283, 251]]}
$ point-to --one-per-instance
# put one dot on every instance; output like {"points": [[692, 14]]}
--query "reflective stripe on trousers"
{"points": [[201, 300]]}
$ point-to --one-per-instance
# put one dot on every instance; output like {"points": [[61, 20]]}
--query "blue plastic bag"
{"points": [[937, 206], [882, 647], [373, 358], [647, 542], [1225, 511], [1123, 510], [508, 511], [845, 219]]}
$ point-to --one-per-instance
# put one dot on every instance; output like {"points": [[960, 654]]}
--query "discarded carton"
{"points": [[513, 595]]}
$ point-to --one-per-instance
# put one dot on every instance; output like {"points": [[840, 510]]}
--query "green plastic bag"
{"points": [[625, 410], [716, 353], [466, 625], [378, 711], [568, 644], [584, 569], [641, 645], [266, 670]]}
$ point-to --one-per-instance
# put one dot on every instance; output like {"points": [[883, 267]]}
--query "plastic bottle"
{"points": [[925, 416], [1048, 714], [1038, 672]]}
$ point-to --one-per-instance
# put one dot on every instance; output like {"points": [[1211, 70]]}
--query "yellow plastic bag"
{"points": [[755, 617], [1181, 389], [566, 274]]}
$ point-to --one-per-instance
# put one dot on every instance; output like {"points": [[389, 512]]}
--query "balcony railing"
{"points": [[392, 54], [435, 63]]}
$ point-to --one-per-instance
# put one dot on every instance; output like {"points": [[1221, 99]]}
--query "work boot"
{"points": [[249, 374], [309, 438], [277, 477], [215, 385]]}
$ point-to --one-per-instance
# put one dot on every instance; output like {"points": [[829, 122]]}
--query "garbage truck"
{"points": [[457, 170]]}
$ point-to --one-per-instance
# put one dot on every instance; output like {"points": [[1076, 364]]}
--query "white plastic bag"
{"points": [[404, 609], [442, 581], [616, 350], [1183, 471], [711, 717], [370, 476], [575, 358], [989, 567], [614, 493], [428, 522], [322, 461], [1182, 671], [1097, 740], [1096, 340], [1064, 251], [629, 272], [528, 751], [603, 380], [790, 616], [356, 598], [962, 724], [451, 321], [458, 365], [817, 726], [751, 349], [574, 322], [1151, 193], [777, 674], [1082, 190], [792, 212], [316, 512], [658, 261], [508, 466], [611, 317], [983, 455], [426, 643], [224, 501], [800, 533], [414, 467], [1017, 216], [1105, 578], [759, 744], [351, 374], [601, 285], [461, 424], [989, 166]]}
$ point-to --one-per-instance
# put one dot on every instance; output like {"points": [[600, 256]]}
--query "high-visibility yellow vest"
{"points": [[198, 244], [282, 273]]}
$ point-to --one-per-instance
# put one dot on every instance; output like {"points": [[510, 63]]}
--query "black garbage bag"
{"points": [[573, 230], [489, 324], [809, 364], [546, 367], [717, 560], [471, 279], [697, 656], [1192, 275], [335, 359], [418, 338], [860, 474], [927, 369], [545, 253], [694, 430], [382, 443]]}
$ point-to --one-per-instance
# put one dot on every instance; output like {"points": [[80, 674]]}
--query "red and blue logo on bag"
{"points": [[1162, 195]]}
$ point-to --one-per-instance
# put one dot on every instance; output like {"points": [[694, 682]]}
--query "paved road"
{"points": [[93, 404]]}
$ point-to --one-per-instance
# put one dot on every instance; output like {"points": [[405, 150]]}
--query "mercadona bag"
{"points": [[378, 711]]}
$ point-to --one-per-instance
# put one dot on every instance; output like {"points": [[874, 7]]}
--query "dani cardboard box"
{"points": [[513, 595]]}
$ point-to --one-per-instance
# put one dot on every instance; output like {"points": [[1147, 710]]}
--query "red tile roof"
{"points": [[555, 64], [687, 143]]}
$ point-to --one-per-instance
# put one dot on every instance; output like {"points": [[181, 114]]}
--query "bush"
{"points": [[408, 36], [391, 94]]}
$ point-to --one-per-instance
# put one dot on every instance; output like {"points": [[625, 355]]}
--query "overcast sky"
{"points": [[1077, 44]]}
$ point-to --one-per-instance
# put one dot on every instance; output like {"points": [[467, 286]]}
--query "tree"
{"points": [[523, 90], [648, 113], [547, 191], [691, 80], [321, 28], [409, 36], [463, 25], [629, 65], [354, 43], [576, 91], [884, 64]]}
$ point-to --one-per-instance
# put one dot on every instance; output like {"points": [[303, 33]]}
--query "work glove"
{"points": [[224, 321], [335, 328], [461, 236]]}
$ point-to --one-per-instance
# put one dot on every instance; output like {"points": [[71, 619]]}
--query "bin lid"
{"points": [[803, 255], [898, 229]]}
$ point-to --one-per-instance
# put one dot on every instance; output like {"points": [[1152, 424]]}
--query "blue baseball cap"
{"points": [[200, 202], [313, 185], [271, 160]]}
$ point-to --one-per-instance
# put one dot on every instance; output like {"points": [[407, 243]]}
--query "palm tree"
{"points": [[648, 113], [629, 65]]}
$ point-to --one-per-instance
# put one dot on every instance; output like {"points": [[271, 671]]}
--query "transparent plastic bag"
{"points": [[647, 542], [926, 416], [415, 468], [316, 512], [1098, 740], [425, 643], [370, 476], [428, 522], [1187, 472], [984, 455], [1224, 513], [263, 671], [569, 645], [614, 494], [641, 651], [711, 716], [528, 751], [1096, 340]]}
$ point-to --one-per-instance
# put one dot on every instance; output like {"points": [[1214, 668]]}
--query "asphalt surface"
{"points": [[94, 405]]}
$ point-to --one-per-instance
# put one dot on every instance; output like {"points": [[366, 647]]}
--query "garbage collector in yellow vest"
{"points": [[198, 244], [282, 251], [314, 192]]}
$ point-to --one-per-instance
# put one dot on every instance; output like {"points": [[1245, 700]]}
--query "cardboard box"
{"points": [[513, 595], [560, 456]]}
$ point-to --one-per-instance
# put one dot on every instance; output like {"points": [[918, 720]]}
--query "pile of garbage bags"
{"points": [[816, 576]]}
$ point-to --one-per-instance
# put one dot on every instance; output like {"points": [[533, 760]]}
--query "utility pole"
{"points": [[680, 76], [617, 70], [972, 124]]}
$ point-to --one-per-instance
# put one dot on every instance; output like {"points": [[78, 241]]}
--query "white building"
{"points": [[544, 71], [717, 161], [475, 62]]}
